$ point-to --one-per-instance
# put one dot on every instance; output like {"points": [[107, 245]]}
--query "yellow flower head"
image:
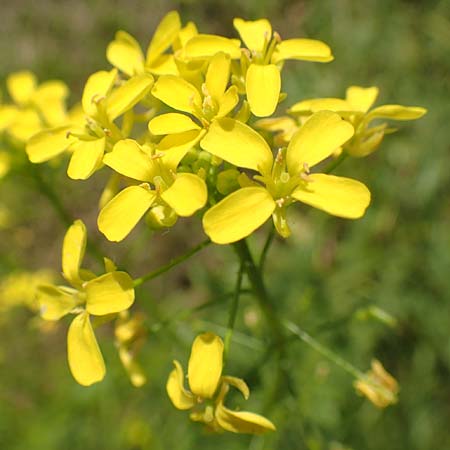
{"points": [[208, 388], [88, 295]]}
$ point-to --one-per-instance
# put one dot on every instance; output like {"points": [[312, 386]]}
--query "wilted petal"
{"points": [[339, 196], [129, 94], [74, 246], [54, 302], [109, 293], [47, 144], [205, 364], [254, 33], [127, 158], [165, 33], [238, 144], [205, 46], [171, 123], [321, 134], [180, 397], [186, 195], [177, 93], [125, 54], [361, 99], [86, 158], [263, 84], [85, 359], [238, 215], [242, 421], [303, 49], [123, 212]]}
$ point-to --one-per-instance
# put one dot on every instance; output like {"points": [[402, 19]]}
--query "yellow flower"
{"points": [[208, 389], [125, 53], [88, 295], [284, 180], [378, 386], [184, 193], [356, 109], [102, 104], [35, 106], [267, 54]]}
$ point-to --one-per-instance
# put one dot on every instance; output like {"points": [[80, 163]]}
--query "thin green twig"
{"points": [[172, 263], [265, 250]]}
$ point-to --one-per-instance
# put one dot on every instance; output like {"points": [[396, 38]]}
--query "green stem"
{"points": [[337, 162], [324, 351], [265, 250], [172, 263], [233, 311]]}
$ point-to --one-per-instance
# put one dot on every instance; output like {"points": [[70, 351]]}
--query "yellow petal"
{"points": [[263, 84], [228, 101], [125, 54], [171, 123], [175, 146], [321, 134], [85, 359], [109, 293], [184, 35], [186, 195], [165, 34], [21, 86], [86, 158], [361, 99], [164, 65], [74, 246], [26, 123], [238, 215], [339, 196], [54, 302], [397, 112], [238, 144], [205, 46], [49, 98], [97, 86], [205, 364], [320, 104], [177, 93], [242, 421], [127, 158], [255, 33], [238, 383], [47, 144], [129, 94], [123, 212], [179, 396], [218, 75], [303, 49], [7, 115]]}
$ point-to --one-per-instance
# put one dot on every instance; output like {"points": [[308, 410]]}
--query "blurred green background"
{"points": [[324, 277]]}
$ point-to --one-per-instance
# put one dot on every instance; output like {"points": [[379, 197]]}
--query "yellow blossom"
{"points": [[284, 180], [208, 388], [88, 295]]}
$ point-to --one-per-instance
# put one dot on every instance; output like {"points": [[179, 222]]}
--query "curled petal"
{"points": [[186, 195], [339, 196], [254, 33], [121, 214], [54, 302], [85, 359], [179, 396], [321, 134], [205, 364], [303, 49], [238, 215], [397, 112], [205, 46], [47, 144], [110, 293], [263, 84], [125, 54], [74, 246], [218, 75], [97, 86]]}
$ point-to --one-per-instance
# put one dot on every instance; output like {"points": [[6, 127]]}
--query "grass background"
{"points": [[324, 277]]}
